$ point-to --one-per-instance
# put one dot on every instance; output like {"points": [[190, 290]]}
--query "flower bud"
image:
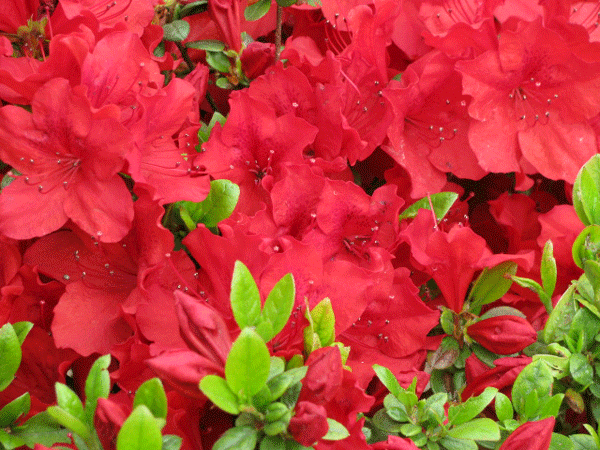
{"points": [[503, 335], [309, 424]]}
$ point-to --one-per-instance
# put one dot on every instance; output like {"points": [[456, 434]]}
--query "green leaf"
{"points": [[561, 442], [97, 385], [237, 438], [503, 407], [171, 442], [192, 8], [397, 410], [207, 44], [450, 443], [442, 202], [280, 383], [247, 365], [286, 3], [277, 308], [217, 206], [581, 370], [491, 285], [152, 394], [586, 199], [549, 407], [388, 379], [218, 392], [445, 355], [535, 287], [583, 442], [15, 409], [41, 429], [463, 412], [586, 245], [336, 431], [257, 10], [384, 422], [69, 401], [323, 323], [559, 322], [176, 31], [9, 441], [245, 298], [410, 429], [483, 429], [10, 355], [204, 134], [536, 376], [218, 61], [586, 324], [140, 431], [22, 329], [548, 269], [69, 421]]}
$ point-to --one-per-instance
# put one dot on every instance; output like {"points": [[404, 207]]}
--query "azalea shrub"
{"points": [[299, 224]]}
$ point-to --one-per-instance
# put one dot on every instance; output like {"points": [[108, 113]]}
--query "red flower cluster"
{"points": [[370, 106]]}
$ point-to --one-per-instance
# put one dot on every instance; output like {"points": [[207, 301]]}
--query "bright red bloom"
{"points": [[309, 423], [502, 376], [503, 335], [532, 98], [531, 435], [69, 158]]}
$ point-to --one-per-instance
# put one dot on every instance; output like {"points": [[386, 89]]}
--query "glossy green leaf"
{"points": [[245, 297], [536, 376], [384, 422], [491, 285], [41, 429], [586, 189], [583, 442], [176, 31], [581, 369], [247, 365], [217, 206], [503, 407], [171, 442], [277, 308], [10, 355], [237, 438], [280, 383], [585, 323], [322, 320], [559, 322], [9, 441], [152, 394], [218, 61], [22, 329], [69, 401], [483, 429], [336, 431], [69, 421], [548, 269], [450, 443], [388, 379], [561, 442], [207, 44], [535, 287], [97, 385], [463, 412], [218, 392], [586, 245], [15, 409], [140, 431], [442, 202], [286, 3], [257, 10]]}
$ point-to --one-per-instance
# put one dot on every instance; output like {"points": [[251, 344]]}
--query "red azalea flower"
{"points": [[252, 147], [69, 158], [531, 435], [532, 98], [503, 335], [502, 376], [309, 423]]}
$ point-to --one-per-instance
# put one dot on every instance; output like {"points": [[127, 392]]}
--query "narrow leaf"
{"points": [[245, 298], [97, 385], [463, 412], [10, 355], [388, 379], [548, 269], [277, 309]]}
